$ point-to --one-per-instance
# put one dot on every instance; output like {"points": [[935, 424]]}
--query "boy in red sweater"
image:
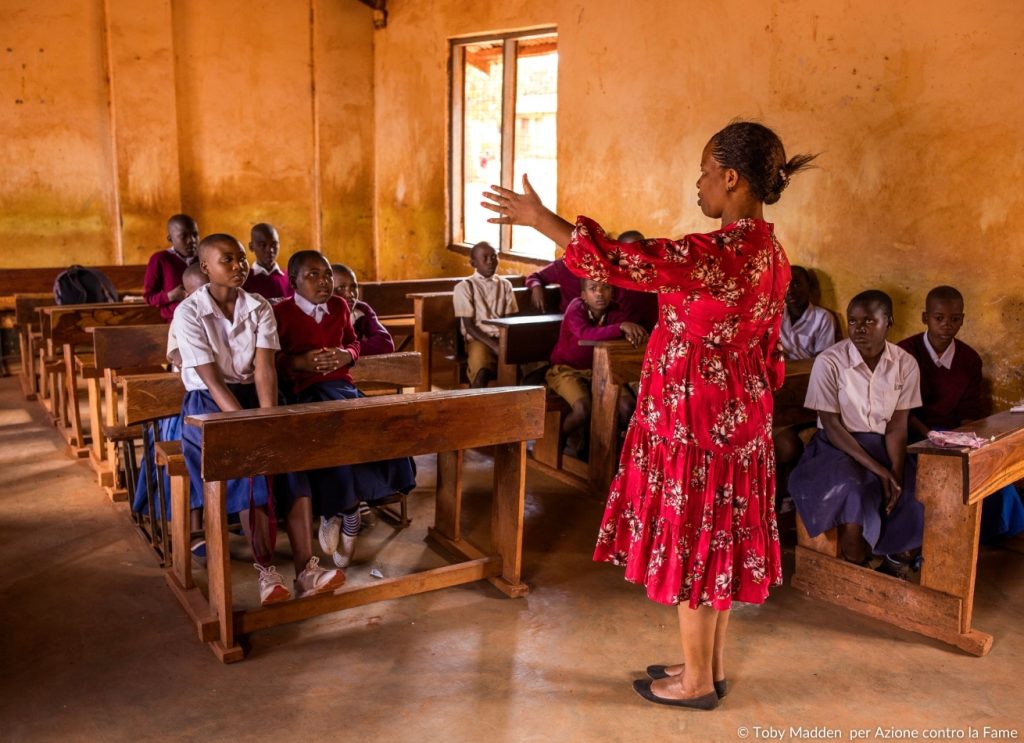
{"points": [[266, 277], [592, 316], [161, 285]]}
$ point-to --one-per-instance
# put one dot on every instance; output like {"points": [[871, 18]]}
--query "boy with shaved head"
{"points": [[266, 277], [162, 286]]}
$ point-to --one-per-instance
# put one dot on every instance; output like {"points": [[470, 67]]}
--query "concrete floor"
{"points": [[93, 646]]}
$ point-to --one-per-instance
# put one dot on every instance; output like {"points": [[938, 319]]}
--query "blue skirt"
{"points": [[242, 491], [829, 488], [1002, 515], [167, 429], [339, 489]]}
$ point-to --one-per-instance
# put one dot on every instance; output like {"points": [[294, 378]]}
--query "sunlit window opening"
{"points": [[503, 111]]}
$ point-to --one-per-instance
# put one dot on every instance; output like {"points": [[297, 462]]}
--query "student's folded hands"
{"points": [[633, 333]]}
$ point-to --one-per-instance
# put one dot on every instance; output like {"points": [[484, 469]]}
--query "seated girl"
{"points": [[854, 474], [374, 338], [318, 347]]}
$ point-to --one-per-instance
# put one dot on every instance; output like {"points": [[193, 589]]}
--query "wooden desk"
{"points": [[524, 339], [401, 327], [951, 484], [248, 443], [27, 320]]}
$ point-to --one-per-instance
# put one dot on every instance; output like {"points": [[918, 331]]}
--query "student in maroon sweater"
{"points": [[592, 316], [374, 339], [266, 277], [951, 397], [318, 349], [639, 307], [161, 285]]}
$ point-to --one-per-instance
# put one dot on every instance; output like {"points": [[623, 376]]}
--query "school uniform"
{"points": [[302, 327], [204, 336], [272, 284], [827, 486], [374, 339], [951, 384], [477, 299], [163, 274], [572, 364], [809, 334], [639, 307]]}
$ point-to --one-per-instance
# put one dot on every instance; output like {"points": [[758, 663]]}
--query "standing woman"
{"points": [[691, 511]]}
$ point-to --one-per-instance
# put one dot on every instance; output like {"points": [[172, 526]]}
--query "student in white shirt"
{"points": [[228, 340], [483, 296], [854, 474], [807, 330]]}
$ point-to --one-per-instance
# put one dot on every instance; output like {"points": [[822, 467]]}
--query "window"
{"points": [[504, 99]]}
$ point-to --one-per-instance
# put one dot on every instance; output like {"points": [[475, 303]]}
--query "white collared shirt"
{"points": [[484, 299], [946, 359], [812, 333], [259, 270], [205, 336], [842, 383], [316, 311]]}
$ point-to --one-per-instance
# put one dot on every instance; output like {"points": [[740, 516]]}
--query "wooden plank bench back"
{"points": [[951, 485], [40, 280], [391, 298], [248, 443]]}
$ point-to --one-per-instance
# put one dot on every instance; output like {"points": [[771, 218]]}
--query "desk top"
{"points": [[994, 428], [515, 320]]}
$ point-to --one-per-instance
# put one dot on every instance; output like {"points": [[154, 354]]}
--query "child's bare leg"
{"points": [[260, 538], [852, 544], [195, 522], [627, 404], [299, 524], [718, 656], [578, 417], [698, 632]]}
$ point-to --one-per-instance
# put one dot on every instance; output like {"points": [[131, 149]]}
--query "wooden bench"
{"points": [[150, 397], [247, 443], [64, 327], [117, 351], [434, 314], [40, 280], [29, 338], [951, 484]]}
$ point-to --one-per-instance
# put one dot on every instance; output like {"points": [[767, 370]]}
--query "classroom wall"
{"points": [[117, 114], [914, 107], [113, 115]]}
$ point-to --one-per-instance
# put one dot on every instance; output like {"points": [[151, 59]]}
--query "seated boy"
{"points": [[807, 330], [592, 316], [483, 296], [266, 277], [951, 395], [374, 338], [228, 340], [161, 285]]}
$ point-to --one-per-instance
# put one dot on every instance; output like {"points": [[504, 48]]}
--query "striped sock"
{"points": [[350, 523]]}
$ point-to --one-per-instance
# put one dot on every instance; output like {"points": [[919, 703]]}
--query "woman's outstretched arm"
{"points": [[526, 210]]}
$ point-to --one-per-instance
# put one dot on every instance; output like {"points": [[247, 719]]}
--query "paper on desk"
{"points": [[956, 439], [1018, 408]]}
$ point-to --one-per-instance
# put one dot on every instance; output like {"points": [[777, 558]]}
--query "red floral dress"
{"points": [[691, 512]]}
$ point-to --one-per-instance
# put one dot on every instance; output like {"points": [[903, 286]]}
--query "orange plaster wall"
{"points": [[915, 108], [115, 115], [56, 193]]}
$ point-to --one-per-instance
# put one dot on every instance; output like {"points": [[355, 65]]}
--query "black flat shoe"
{"points": [[643, 688], [659, 672]]}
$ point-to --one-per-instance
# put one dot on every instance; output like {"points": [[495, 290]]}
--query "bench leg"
{"points": [[218, 571], [604, 432], [448, 504], [826, 543], [97, 444], [181, 532], [507, 516], [73, 413]]}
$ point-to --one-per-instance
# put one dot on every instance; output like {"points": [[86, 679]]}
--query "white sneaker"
{"points": [[329, 531], [343, 556], [272, 588], [314, 579]]}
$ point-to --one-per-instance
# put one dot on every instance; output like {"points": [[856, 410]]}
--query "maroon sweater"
{"points": [[300, 333], [269, 286], [163, 274], [374, 338], [639, 307], [948, 396], [578, 325]]}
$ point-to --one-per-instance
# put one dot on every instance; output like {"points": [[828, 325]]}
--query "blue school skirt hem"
{"points": [[168, 429], [829, 488], [339, 489]]}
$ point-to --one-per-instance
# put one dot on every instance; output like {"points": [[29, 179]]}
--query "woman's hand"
{"points": [[523, 209], [633, 333]]}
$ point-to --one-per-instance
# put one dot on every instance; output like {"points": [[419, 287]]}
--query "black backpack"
{"points": [[81, 285]]}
